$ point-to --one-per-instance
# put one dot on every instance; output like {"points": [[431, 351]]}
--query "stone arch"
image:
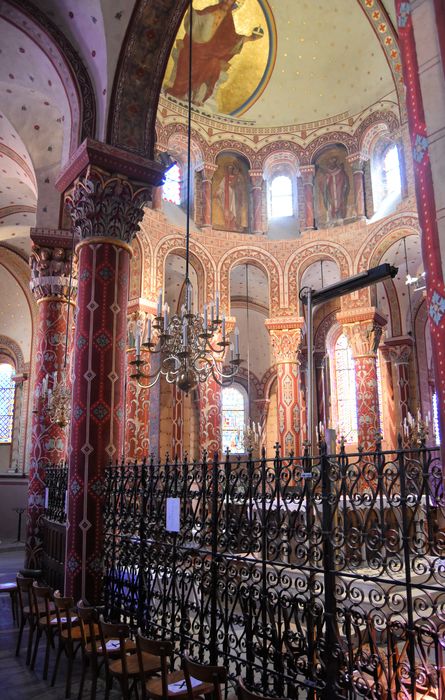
{"points": [[267, 380], [271, 149], [259, 258], [176, 134], [12, 350], [383, 237], [330, 139], [200, 260], [372, 127], [136, 269], [305, 256], [147, 272], [60, 52], [234, 147]]}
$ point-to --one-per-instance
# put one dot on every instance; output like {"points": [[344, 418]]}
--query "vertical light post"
{"points": [[312, 298]]}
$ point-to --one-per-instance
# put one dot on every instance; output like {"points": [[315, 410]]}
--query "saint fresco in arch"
{"points": [[229, 195], [215, 43]]}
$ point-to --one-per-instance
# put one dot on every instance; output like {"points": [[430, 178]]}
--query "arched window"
{"points": [[436, 420], [391, 172], [233, 419], [281, 203], [171, 190], [7, 392], [346, 398]]}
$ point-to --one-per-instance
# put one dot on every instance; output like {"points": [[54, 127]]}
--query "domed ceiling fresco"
{"points": [[285, 62], [233, 55]]}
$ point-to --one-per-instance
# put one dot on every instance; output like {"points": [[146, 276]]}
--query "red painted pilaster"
{"points": [[50, 279]]}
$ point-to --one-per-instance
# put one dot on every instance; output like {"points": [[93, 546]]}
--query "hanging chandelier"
{"points": [[191, 347]]}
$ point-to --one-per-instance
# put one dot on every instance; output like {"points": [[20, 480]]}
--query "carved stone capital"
{"points": [[363, 337], [51, 272], [357, 162], [286, 339], [307, 173], [256, 178], [398, 350], [208, 170], [104, 206]]}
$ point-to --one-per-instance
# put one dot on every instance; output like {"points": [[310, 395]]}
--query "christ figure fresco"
{"points": [[215, 43], [335, 188]]}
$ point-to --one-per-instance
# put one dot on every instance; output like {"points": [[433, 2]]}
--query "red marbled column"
{"points": [[256, 179], [177, 422], [206, 193], [48, 441], [308, 173], [368, 417], [364, 336], [426, 204], [97, 430], [286, 343], [210, 406], [288, 408], [358, 181], [137, 411]]}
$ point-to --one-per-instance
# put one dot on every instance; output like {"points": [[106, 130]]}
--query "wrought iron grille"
{"points": [[313, 577], [56, 484]]}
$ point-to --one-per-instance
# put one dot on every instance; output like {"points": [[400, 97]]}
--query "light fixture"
{"points": [[191, 347]]}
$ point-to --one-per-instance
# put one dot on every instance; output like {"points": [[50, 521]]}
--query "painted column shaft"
{"points": [[48, 443], [210, 417], [97, 429]]}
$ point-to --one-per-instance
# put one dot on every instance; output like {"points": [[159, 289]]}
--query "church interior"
{"points": [[176, 179]]}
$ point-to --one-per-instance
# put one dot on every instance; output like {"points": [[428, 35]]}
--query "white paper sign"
{"points": [[172, 513], [181, 686]]}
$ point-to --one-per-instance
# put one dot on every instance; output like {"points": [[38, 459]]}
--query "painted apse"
{"points": [[233, 52], [230, 195], [334, 201]]}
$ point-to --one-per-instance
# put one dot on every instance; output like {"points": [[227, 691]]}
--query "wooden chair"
{"points": [[243, 694], [46, 621], [121, 660], [26, 613], [203, 679], [89, 634], [69, 636], [11, 588]]}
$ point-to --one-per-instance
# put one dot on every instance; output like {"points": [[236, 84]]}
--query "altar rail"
{"points": [[313, 577]]}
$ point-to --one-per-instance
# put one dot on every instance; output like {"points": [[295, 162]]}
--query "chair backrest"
{"points": [[243, 694], [24, 588], [204, 673], [156, 647], [114, 634], [64, 613], [42, 596], [88, 619]]}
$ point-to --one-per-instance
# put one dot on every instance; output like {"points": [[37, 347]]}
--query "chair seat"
{"points": [[75, 633], [154, 687], [151, 664], [8, 587], [113, 647]]}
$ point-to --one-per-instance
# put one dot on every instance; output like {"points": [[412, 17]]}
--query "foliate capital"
{"points": [[286, 339], [399, 349], [53, 272], [362, 331], [108, 206]]}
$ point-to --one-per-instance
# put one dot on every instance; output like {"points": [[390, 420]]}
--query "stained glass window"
{"points": [[281, 197], [171, 190], [233, 419], [346, 398], [391, 172], [7, 388]]}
